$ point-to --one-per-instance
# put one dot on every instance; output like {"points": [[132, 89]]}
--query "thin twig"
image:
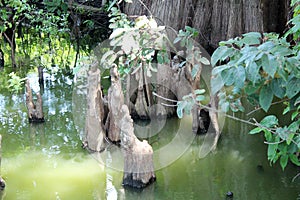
{"points": [[168, 105], [143, 4], [257, 124], [295, 177], [164, 98], [281, 141], [259, 108]]}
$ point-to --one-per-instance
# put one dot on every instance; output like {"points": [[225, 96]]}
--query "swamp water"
{"points": [[46, 161]]}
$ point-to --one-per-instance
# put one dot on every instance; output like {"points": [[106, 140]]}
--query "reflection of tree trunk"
{"points": [[11, 40], [1, 59], [35, 111], [2, 182]]}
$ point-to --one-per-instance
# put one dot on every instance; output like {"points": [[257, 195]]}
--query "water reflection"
{"points": [[46, 161]]}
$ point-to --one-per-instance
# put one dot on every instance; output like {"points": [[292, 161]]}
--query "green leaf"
{"points": [[221, 54], [293, 87], [294, 115], [180, 106], [199, 91], [204, 61], [267, 46], [286, 110], [269, 64], [265, 97], [268, 135], [228, 76], [269, 121], [251, 89], [177, 40], [240, 77], [116, 33], [294, 159], [282, 132], [195, 70], [219, 69], [216, 84], [252, 38], [297, 101], [200, 98], [283, 161], [255, 130], [252, 70], [278, 88], [272, 151], [225, 107]]}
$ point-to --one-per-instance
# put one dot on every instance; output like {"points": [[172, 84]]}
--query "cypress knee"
{"points": [[138, 156], [94, 126]]}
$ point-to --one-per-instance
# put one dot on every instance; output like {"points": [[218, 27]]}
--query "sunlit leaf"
{"points": [[117, 32], [219, 69], [180, 106], [199, 91], [200, 98], [251, 38], [255, 130], [204, 61], [269, 121]]}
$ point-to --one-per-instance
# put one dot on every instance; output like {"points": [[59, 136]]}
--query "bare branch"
{"points": [[164, 98]]}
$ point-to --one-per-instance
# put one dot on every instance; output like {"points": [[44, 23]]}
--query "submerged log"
{"points": [[115, 102], [35, 111], [94, 126], [138, 156]]}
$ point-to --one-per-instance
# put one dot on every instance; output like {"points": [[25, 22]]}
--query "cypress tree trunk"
{"points": [[216, 20]]}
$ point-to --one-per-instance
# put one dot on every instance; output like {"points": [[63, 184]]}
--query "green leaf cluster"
{"points": [[283, 142], [258, 67], [189, 101], [262, 67]]}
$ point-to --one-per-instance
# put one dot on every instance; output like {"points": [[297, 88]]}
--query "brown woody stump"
{"points": [[115, 102], [94, 122], [138, 156], [35, 111]]}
